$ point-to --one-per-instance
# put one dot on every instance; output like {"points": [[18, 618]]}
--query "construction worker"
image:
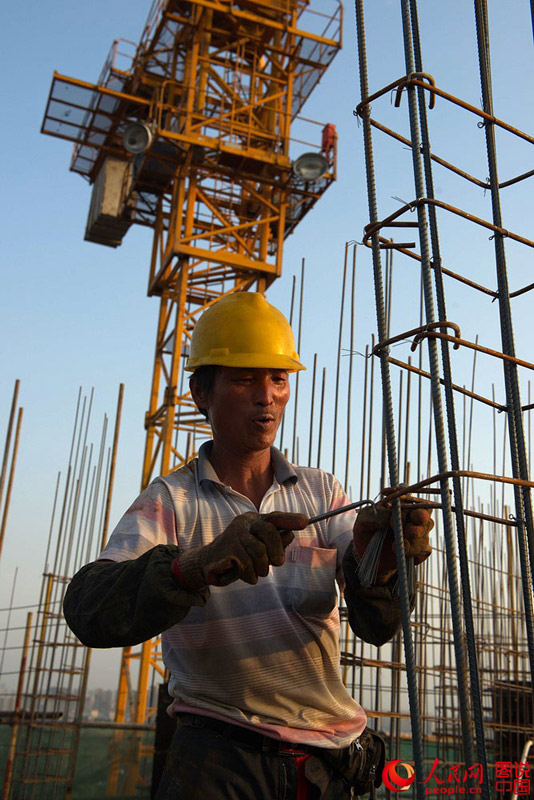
{"points": [[218, 557]]}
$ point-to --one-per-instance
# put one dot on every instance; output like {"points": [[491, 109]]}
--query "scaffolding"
{"points": [[49, 700]]}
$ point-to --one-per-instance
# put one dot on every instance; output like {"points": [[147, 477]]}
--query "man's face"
{"points": [[245, 406]]}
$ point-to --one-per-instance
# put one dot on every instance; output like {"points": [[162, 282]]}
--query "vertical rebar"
{"points": [[351, 360], [370, 445], [282, 426], [364, 417], [111, 479], [516, 434], [399, 425], [420, 386], [294, 455], [321, 418], [312, 408], [10, 480], [8, 436], [404, 593], [338, 362], [425, 169], [409, 19], [407, 431]]}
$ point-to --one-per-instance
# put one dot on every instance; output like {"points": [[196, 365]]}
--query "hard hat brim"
{"points": [[247, 360]]}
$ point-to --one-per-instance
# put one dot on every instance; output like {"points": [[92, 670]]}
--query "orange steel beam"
{"points": [[267, 22], [168, 424]]}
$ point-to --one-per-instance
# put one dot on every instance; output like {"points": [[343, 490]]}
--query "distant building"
{"points": [[100, 704]]}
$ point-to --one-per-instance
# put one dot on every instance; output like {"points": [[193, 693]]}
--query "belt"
{"points": [[242, 735]]}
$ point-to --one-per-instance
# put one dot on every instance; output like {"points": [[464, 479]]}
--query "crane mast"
{"points": [[192, 134]]}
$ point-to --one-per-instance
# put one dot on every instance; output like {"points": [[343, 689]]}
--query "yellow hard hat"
{"points": [[243, 330]]}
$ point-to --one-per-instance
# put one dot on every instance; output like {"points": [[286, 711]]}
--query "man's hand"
{"points": [[245, 550], [416, 526]]}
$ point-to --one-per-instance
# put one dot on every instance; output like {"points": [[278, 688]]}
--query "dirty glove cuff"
{"points": [[374, 542], [187, 571]]}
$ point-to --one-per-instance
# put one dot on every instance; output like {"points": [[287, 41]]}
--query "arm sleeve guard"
{"points": [[119, 604]]}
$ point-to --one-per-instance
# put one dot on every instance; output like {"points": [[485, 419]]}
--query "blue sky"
{"points": [[74, 313]]}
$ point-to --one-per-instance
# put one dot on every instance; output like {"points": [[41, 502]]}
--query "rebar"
{"points": [[297, 377], [9, 433], [425, 185], [404, 589], [515, 420], [9, 488]]}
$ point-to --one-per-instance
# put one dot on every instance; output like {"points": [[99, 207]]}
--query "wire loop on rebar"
{"points": [[374, 227], [428, 330], [408, 81], [420, 332]]}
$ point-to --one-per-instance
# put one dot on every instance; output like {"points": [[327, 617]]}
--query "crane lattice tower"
{"points": [[191, 135]]}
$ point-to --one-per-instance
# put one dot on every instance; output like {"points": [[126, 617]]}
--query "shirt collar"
{"points": [[283, 470], [206, 471]]}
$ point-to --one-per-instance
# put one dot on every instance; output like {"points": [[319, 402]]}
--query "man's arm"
{"points": [[118, 604]]}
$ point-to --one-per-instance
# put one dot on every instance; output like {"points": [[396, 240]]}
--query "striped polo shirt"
{"points": [[265, 656]]}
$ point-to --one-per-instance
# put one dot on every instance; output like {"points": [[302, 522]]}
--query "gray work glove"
{"points": [[247, 547], [416, 526]]}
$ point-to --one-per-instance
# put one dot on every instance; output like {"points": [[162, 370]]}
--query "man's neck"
{"points": [[249, 473]]}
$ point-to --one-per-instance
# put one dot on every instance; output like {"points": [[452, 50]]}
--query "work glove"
{"points": [[245, 550], [376, 520]]}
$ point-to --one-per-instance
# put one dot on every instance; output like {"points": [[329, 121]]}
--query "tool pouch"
{"points": [[372, 761], [359, 767]]}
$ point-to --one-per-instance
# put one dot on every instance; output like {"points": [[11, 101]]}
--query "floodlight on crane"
{"points": [[137, 137], [310, 166]]}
